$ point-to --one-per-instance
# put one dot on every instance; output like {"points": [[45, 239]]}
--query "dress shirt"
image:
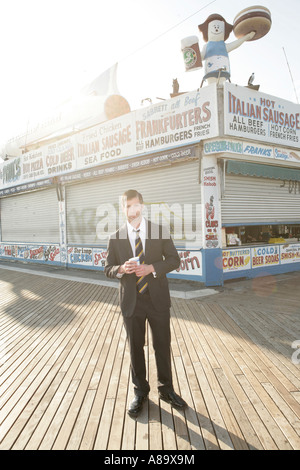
{"points": [[132, 235], [132, 238]]}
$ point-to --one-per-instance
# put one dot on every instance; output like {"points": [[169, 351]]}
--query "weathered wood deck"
{"points": [[65, 368]]}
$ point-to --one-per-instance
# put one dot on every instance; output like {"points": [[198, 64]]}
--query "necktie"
{"points": [[141, 283]]}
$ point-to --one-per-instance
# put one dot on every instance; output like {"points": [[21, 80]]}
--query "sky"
{"points": [[50, 50]]}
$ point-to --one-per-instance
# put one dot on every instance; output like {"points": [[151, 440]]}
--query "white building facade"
{"points": [[219, 166]]}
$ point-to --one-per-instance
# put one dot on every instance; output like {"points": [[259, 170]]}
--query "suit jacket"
{"points": [[159, 251]]}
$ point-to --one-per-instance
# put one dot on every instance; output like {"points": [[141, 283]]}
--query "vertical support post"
{"points": [[62, 226], [0, 220], [211, 222]]}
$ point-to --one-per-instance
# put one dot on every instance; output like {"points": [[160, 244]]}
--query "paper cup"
{"points": [[191, 53]]}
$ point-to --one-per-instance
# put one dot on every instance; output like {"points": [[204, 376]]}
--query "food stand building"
{"points": [[219, 166]]}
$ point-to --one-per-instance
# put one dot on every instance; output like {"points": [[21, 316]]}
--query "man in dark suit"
{"points": [[144, 295]]}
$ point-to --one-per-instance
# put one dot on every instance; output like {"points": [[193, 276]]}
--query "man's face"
{"points": [[133, 210]]}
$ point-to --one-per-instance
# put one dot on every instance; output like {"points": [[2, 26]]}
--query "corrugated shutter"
{"points": [[30, 217], [262, 200], [170, 186]]}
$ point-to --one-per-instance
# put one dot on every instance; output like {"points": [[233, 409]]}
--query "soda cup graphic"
{"points": [[191, 53]]}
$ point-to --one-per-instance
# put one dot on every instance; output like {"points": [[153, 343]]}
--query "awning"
{"points": [[262, 171]]}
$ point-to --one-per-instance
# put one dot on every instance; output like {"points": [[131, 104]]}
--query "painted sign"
{"points": [[290, 254], [11, 172], [185, 119], [169, 156], [49, 254], [33, 165], [258, 116], [223, 146], [236, 259], [240, 259], [99, 257], [210, 203], [190, 263], [106, 142], [82, 256], [265, 256], [60, 157], [251, 150], [180, 121]]}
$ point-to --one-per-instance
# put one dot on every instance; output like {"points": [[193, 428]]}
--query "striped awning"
{"points": [[262, 171]]}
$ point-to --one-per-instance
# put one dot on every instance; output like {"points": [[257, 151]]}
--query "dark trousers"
{"points": [[159, 323]]}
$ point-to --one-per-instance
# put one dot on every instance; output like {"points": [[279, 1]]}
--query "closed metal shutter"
{"points": [[169, 186], [30, 217], [249, 200]]}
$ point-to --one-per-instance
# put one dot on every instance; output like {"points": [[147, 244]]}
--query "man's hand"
{"points": [[128, 267], [132, 267], [144, 270]]}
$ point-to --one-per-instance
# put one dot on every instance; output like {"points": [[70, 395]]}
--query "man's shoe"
{"points": [[136, 405], [174, 399]]}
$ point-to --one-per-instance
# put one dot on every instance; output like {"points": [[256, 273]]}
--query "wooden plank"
{"points": [[129, 430], [207, 428], [180, 424], [210, 399], [201, 339], [107, 354], [84, 374], [31, 415], [286, 418], [116, 434], [241, 396], [80, 423], [104, 425], [247, 438], [296, 396], [142, 429], [37, 371], [33, 336], [270, 373], [253, 391], [58, 364], [155, 429], [256, 341], [168, 430]]}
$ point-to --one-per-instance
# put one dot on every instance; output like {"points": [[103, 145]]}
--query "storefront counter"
{"points": [[237, 262], [249, 261]]}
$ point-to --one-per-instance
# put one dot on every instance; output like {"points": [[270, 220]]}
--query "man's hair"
{"points": [[130, 194]]}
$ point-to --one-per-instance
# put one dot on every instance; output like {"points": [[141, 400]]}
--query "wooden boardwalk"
{"points": [[65, 368]]}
